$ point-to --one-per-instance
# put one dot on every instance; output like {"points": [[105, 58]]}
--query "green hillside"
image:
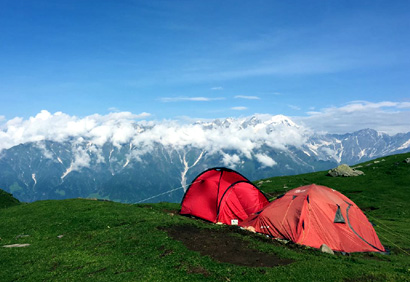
{"points": [[7, 200], [85, 240]]}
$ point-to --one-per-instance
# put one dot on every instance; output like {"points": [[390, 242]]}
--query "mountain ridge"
{"points": [[141, 160]]}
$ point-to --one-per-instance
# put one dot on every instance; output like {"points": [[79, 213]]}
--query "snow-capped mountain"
{"points": [[357, 147], [137, 161]]}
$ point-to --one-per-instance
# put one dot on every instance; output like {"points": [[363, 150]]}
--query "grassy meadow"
{"points": [[86, 240]]}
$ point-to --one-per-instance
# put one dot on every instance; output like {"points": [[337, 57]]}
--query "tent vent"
{"points": [[339, 217]]}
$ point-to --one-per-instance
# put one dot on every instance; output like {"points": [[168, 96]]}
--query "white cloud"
{"points": [[46, 153], [115, 127], [247, 97], [265, 160], [404, 105], [239, 108], [113, 109], [217, 88], [296, 63], [293, 107], [386, 116], [81, 159], [230, 161], [193, 99], [143, 115]]}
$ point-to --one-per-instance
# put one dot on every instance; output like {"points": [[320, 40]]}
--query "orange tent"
{"points": [[314, 215]]}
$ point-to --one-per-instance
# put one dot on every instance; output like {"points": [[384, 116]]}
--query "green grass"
{"points": [[108, 241], [7, 200]]}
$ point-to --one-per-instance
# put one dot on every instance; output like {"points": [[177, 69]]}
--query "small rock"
{"points": [[407, 160], [345, 171], [60, 236], [325, 249], [250, 228], [283, 241], [263, 182], [16, 246]]}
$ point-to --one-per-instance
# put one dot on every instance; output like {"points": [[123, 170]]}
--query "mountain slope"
{"points": [[7, 200]]}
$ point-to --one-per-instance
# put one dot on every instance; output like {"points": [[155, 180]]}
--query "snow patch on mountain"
{"points": [[33, 176], [186, 167], [405, 145], [70, 169], [362, 153]]}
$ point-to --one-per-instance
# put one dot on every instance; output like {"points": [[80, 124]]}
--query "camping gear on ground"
{"points": [[222, 195], [314, 215]]}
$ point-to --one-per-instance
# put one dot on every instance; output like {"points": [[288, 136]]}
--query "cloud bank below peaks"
{"points": [[114, 127], [242, 135]]}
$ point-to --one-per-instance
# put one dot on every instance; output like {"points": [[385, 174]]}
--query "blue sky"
{"points": [[203, 59]]}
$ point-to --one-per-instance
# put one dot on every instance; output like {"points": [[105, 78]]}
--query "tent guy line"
{"points": [[164, 193]]}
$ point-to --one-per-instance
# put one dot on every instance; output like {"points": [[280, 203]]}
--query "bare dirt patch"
{"points": [[221, 246]]}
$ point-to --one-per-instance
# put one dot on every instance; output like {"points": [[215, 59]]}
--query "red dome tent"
{"points": [[314, 215], [222, 195]]}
